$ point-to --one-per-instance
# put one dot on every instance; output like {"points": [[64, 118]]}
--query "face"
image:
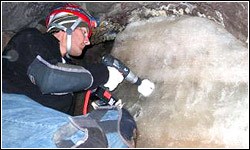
{"points": [[79, 40]]}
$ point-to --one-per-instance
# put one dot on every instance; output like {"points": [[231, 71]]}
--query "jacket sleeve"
{"points": [[99, 72], [60, 78]]}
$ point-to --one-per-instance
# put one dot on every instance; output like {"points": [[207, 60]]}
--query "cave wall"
{"points": [[231, 15], [201, 76]]}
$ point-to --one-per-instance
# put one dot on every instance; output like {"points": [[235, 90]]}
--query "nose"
{"points": [[86, 40]]}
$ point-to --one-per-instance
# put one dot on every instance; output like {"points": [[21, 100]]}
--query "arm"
{"points": [[60, 78]]}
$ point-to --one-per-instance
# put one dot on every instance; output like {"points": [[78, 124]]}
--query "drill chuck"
{"points": [[131, 77]]}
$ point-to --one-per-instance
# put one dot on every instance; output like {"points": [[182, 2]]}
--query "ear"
{"points": [[62, 38]]}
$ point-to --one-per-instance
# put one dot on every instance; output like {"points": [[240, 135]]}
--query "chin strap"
{"points": [[68, 32]]}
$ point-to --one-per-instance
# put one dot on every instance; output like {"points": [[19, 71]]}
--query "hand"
{"points": [[115, 77], [146, 87]]}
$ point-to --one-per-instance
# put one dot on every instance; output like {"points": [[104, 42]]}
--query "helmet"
{"points": [[67, 18], [66, 11]]}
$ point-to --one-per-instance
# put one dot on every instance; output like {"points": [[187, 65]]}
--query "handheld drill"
{"points": [[145, 87]]}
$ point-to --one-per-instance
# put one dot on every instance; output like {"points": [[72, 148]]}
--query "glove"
{"points": [[146, 87], [115, 77]]}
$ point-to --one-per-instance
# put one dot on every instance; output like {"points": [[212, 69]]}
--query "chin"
{"points": [[77, 55]]}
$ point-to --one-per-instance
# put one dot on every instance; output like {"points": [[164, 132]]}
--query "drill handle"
{"points": [[111, 61]]}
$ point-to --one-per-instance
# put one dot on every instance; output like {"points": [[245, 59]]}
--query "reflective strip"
{"points": [[68, 69]]}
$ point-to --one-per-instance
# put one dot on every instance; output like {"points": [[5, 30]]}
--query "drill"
{"points": [[145, 87]]}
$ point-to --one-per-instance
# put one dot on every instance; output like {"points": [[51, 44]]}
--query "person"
{"points": [[38, 85], [39, 65], [28, 124]]}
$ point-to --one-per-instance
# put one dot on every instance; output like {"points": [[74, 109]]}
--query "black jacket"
{"points": [[28, 44]]}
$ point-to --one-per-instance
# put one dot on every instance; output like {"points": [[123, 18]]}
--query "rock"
{"points": [[18, 15], [232, 15], [201, 76]]}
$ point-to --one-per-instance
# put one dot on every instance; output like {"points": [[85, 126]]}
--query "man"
{"points": [[35, 69], [38, 65]]}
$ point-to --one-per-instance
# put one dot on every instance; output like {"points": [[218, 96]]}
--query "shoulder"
{"points": [[35, 36], [28, 32], [33, 30], [26, 35]]}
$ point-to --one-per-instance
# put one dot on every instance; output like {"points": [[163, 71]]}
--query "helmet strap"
{"points": [[68, 32]]}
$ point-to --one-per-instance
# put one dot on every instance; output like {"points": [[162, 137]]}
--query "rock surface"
{"points": [[232, 15], [201, 76]]}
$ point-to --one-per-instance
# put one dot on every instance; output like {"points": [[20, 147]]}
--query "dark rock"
{"points": [[18, 15]]}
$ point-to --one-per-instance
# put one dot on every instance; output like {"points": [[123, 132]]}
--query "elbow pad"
{"points": [[60, 78]]}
